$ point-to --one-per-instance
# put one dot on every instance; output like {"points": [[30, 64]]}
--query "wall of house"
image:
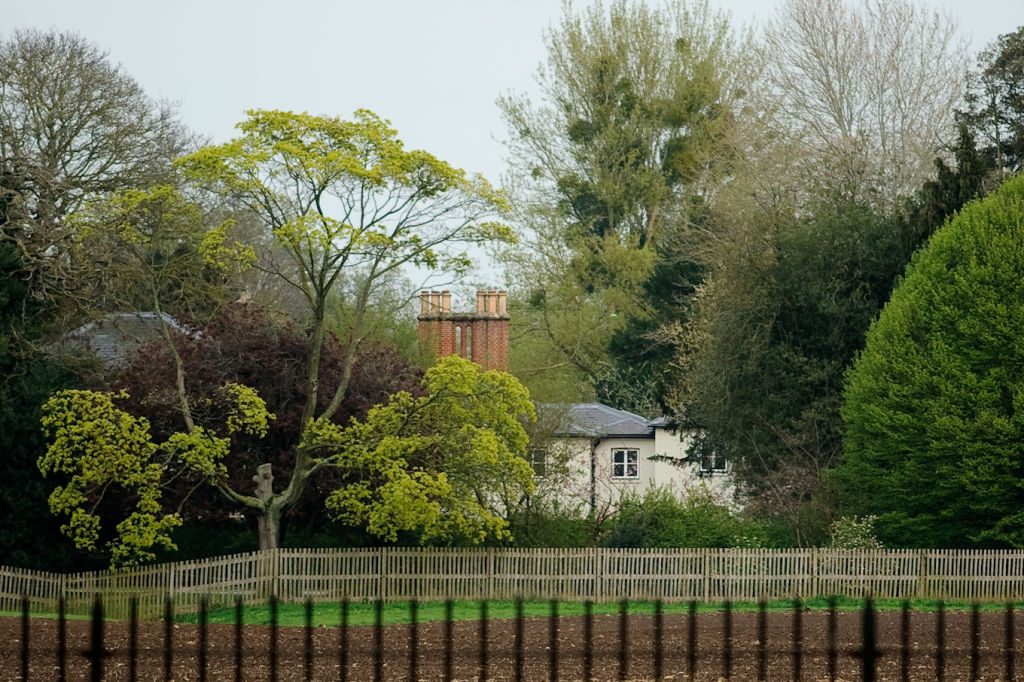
{"points": [[571, 484]]}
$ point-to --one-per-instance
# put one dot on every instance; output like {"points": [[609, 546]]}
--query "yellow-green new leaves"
{"points": [[97, 447], [440, 466], [248, 412], [153, 242], [347, 194]]}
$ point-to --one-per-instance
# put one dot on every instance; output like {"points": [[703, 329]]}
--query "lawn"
{"points": [[398, 613]]}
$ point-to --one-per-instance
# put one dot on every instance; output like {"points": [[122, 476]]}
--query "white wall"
{"points": [[572, 485]]}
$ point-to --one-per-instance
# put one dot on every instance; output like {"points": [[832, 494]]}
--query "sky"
{"points": [[432, 67]]}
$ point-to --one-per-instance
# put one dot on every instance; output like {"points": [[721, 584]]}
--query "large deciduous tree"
{"points": [[867, 90], [72, 126], [995, 102], [349, 206], [630, 137], [934, 406]]}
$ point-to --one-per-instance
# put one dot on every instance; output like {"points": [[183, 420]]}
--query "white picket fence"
{"points": [[569, 574]]}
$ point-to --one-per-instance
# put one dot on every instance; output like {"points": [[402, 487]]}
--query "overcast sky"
{"points": [[433, 67]]}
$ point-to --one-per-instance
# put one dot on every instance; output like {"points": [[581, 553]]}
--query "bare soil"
{"points": [[500, 660]]}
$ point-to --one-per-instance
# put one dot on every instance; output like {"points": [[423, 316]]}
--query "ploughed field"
{"points": [[500, 659]]}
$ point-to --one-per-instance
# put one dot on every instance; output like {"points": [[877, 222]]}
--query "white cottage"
{"points": [[596, 453]]}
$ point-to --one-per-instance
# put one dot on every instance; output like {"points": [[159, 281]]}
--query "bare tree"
{"points": [[72, 125], [868, 87]]}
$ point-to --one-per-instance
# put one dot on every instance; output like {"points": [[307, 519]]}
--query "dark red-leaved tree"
{"points": [[253, 347]]}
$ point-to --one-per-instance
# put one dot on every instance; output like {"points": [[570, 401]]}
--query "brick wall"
{"points": [[480, 336]]}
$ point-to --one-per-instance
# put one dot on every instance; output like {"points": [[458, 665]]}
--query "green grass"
{"points": [[397, 613]]}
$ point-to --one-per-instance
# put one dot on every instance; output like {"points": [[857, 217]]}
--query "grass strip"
{"points": [[397, 613]]}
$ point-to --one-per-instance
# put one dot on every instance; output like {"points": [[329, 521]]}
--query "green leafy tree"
{"points": [[995, 102], [933, 406], [776, 326], [445, 466], [633, 131], [349, 207]]}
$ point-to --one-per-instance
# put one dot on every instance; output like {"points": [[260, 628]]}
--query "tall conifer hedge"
{"points": [[934, 405]]}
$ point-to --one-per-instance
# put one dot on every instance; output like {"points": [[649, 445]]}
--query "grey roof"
{"points": [[117, 335], [594, 420]]}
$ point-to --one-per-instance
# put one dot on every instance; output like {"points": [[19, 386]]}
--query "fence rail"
{"points": [[399, 574]]}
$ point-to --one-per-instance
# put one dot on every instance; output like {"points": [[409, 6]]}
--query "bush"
{"points": [[934, 406], [551, 525], [854, 532], [661, 519]]}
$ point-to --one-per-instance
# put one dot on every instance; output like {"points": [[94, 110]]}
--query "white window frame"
{"points": [[713, 470], [538, 455], [622, 458]]}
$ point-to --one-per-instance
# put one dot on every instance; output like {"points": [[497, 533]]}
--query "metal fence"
{"points": [[623, 646], [401, 574]]}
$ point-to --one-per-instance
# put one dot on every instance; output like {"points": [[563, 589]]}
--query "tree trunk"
{"points": [[269, 524]]}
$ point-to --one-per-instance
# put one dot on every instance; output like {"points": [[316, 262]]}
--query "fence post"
{"points": [[276, 568], [171, 587], [706, 587], [598, 573], [382, 585], [814, 574], [489, 589], [922, 574]]}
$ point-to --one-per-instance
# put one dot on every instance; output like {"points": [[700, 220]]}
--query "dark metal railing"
{"points": [[699, 657]]}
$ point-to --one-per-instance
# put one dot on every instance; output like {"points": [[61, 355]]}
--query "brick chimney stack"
{"points": [[480, 336]]}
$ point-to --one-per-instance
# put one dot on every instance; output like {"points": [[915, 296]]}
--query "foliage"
{"points": [[854, 532], [443, 466], [866, 91], [932, 409], [637, 108], [348, 207], [775, 328], [94, 446], [541, 524], [72, 126], [661, 519], [995, 102], [154, 249], [264, 352]]}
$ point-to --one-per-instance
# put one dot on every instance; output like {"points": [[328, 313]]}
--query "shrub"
{"points": [[934, 406], [661, 519], [854, 532]]}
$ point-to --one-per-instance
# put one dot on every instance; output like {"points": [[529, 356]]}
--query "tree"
{"points": [[72, 126], [995, 102], [254, 347], [632, 134], [932, 408], [867, 90], [349, 207], [783, 313], [446, 465]]}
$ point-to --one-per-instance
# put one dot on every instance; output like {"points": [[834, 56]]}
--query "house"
{"points": [[113, 338], [591, 452], [596, 454]]}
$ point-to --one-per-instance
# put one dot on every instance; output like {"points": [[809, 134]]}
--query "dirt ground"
{"points": [[500, 658]]}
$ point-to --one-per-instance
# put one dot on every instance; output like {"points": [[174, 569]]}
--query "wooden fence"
{"points": [[569, 574]]}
